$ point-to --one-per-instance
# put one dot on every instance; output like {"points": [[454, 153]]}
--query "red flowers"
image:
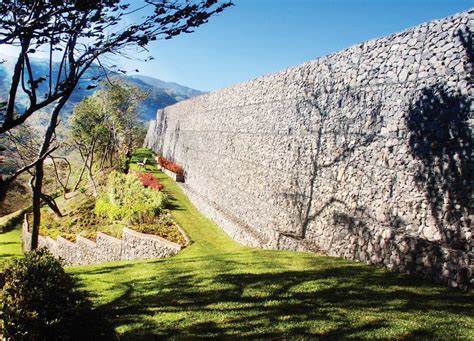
{"points": [[175, 168], [148, 180]]}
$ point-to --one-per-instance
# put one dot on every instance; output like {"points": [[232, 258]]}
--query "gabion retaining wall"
{"points": [[133, 245], [365, 154]]}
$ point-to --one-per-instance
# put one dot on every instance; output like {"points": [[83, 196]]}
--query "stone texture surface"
{"points": [[138, 245], [365, 154], [133, 245]]}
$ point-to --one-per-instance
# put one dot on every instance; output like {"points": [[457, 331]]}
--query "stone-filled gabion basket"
{"points": [[364, 154]]}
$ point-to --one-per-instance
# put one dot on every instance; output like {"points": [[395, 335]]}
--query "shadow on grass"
{"points": [[93, 325], [324, 303], [8, 255], [171, 205], [14, 222], [8, 243]]}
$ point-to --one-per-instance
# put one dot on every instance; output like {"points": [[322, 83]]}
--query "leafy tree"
{"points": [[106, 124], [79, 33], [122, 101], [88, 129]]}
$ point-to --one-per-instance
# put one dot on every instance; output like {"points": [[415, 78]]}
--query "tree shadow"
{"points": [[11, 224], [8, 255], [93, 325], [231, 305], [8, 243], [440, 138], [300, 201]]}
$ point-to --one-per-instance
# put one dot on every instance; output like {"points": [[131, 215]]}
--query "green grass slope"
{"points": [[217, 288], [10, 243]]}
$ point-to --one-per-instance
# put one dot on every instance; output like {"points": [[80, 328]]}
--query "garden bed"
{"points": [[127, 220], [172, 175], [105, 248], [171, 169], [87, 225]]}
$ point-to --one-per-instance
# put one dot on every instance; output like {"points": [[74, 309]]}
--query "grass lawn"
{"points": [[217, 288], [10, 243]]}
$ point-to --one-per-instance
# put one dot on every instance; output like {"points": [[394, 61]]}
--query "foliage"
{"points": [[149, 180], [109, 117], [88, 130], [21, 147], [87, 122], [106, 127], [78, 220], [127, 199], [114, 229], [164, 226], [175, 168], [121, 102], [38, 299]]}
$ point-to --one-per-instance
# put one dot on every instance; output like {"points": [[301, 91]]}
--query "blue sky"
{"points": [[257, 37]]}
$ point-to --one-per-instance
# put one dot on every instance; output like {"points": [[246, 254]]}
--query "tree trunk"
{"points": [[37, 187], [4, 186], [47, 199], [39, 170], [102, 159]]}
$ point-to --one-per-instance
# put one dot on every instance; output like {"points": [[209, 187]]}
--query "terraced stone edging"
{"points": [[133, 245]]}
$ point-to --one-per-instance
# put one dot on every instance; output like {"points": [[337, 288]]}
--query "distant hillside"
{"points": [[162, 93], [172, 88]]}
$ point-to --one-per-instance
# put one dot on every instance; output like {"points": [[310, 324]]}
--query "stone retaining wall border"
{"points": [[133, 245]]}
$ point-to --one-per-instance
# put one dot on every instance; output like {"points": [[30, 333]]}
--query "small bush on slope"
{"points": [[127, 199], [149, 180], [38, 300]]}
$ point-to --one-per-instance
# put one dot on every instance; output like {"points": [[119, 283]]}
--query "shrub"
{"points": [[175, 168], [127, 199], [149, 180], [39, 301]]}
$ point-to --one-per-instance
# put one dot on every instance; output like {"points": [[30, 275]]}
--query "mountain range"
{"points": [[161, 93]]}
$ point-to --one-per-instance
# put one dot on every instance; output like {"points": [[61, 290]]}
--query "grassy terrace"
{"points": [[10, 243], [217, 288]]}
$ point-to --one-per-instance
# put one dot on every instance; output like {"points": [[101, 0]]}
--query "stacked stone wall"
{"points": [[365, 154], [133, 245]]}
